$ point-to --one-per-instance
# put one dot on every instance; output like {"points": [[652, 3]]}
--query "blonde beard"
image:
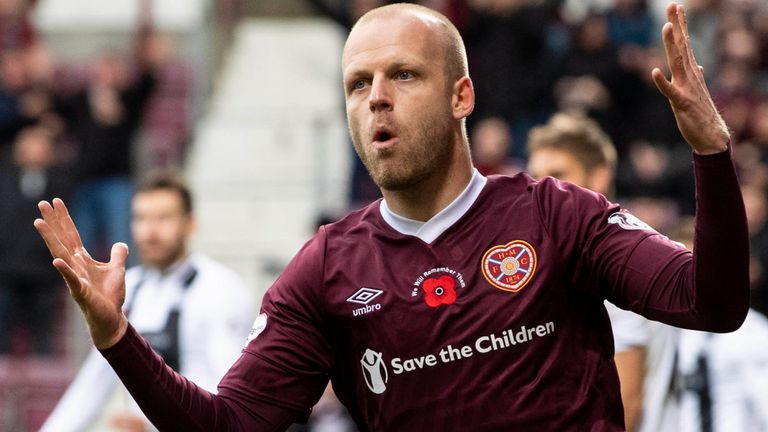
{"points": [[431, 148]]}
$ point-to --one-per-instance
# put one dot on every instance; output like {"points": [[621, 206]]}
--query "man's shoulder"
{"points": [[521, 179], [522, 191], [355, 223], [522, 184]]}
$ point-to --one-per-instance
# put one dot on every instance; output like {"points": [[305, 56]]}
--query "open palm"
{"points": [[97, 287], [697, 117]]}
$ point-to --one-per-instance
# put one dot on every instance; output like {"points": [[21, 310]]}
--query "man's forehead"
{"points": [[409, 30]]}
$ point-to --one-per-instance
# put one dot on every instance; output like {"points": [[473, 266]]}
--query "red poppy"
{"points": [[439, 291]]}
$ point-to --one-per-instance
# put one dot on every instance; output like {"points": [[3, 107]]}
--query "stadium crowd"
{"points": [[529, 59]]}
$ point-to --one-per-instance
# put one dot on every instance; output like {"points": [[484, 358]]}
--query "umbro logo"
{"points": [[364, 296]]}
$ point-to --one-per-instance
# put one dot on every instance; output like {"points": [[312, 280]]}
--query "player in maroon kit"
{"points": [[457, 302]]}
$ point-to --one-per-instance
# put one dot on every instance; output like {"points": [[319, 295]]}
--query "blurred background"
{"points": [[245, 98]]}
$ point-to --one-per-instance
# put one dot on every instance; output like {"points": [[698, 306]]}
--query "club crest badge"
{"points": [[509, 267]]}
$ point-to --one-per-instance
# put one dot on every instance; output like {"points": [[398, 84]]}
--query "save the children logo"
{"points": [[377, 369], [374, 371], [509, 267], [439, 286]]}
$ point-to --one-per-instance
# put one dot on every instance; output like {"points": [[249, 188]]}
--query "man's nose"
{"points": [[380, 95]]}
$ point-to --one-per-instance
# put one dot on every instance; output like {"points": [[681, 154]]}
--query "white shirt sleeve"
{"points": [[630, 330], [83, 401]]}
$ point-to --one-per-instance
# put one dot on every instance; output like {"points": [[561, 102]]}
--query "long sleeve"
{"points": [[710, 289], [84, 399], [617, 257], [279, 375]]}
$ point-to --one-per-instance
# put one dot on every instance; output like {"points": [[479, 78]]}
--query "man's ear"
{"points": [[462, 98], [191, 226], [601, 180]]}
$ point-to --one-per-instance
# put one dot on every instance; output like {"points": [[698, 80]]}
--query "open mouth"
{"points": [[382, 135]]}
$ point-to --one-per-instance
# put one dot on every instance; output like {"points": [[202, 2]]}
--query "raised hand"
{"points": [[697, 118], [97, 287]]}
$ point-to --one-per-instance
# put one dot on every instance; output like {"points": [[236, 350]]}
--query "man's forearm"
{"points": [[721, 244]]}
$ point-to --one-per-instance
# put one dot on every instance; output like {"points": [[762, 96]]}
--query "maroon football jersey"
{"points": [[497, 324]]}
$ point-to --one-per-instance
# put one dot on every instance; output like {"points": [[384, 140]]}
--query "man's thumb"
{"points": [[119, 254]]}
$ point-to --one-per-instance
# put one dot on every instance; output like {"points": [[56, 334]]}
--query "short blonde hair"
{"points": [[578, 135]]}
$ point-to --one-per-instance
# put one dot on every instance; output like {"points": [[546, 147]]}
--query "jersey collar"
{"points": [[430, 230]]}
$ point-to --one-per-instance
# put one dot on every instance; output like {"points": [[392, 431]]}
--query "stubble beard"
{"points": [[173, 253], [418, 154]]}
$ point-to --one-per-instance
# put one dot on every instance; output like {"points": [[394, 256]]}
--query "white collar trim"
{"points": [[430, 230]]}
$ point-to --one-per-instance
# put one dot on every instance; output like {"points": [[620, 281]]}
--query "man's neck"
{"points": [[432, 195], [166, 269]]}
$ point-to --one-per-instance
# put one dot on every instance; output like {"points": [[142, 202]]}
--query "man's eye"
{"points": [[404, 75], [359, 84]]}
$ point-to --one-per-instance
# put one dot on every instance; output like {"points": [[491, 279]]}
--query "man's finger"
{"points": [[664, 86], [70, 277], [48, 213], [57, 249], [65, 227], [67, 224], [674, 57], [54, 231], [682, 19]]}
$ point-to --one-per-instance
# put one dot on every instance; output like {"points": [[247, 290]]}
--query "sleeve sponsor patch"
{"points": [[258, 326], [628, 221]]}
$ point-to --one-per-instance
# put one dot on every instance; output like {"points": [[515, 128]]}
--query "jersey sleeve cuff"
{"points": [[123, 346], [715, 159]]}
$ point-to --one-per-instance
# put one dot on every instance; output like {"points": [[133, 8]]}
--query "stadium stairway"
{"points": [[272, 153]]}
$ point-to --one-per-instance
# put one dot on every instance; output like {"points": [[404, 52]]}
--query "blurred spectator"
{"points": [[661, 177], [491, 142], [721, 379], [29, 287], [644, 112], [574, 11], [25, 94], [507, 48], [629, 23], [573, 148], [16, 31], [193, 311], [591, 78], [104, 118], [758, 126]]}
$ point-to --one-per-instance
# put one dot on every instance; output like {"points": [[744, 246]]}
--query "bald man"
{"points": [[457, 302]]}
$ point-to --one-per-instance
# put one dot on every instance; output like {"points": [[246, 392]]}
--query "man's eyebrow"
{"points": [[405, 63]]}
